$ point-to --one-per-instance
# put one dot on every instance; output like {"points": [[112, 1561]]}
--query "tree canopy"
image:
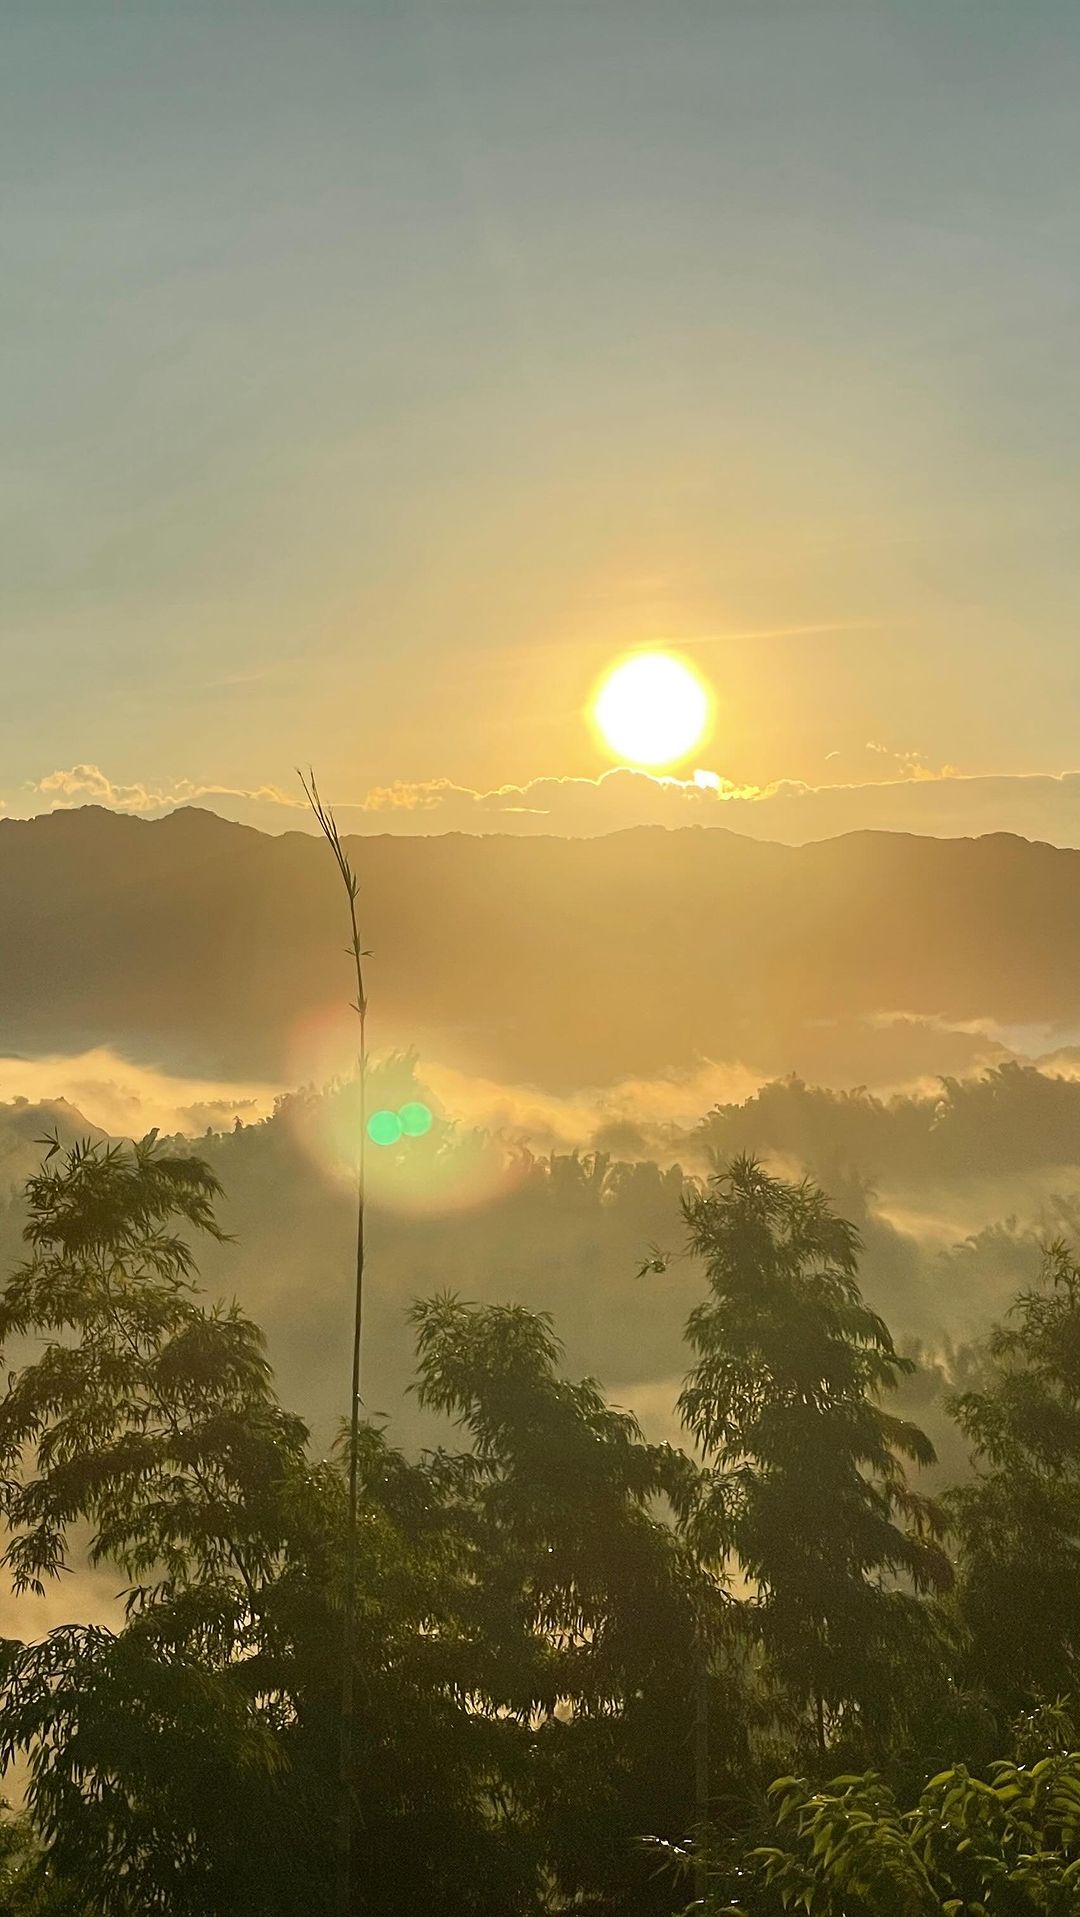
{"points": [[581, 1655]]}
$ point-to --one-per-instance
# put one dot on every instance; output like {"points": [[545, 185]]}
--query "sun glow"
{"points": [[651, 709]]}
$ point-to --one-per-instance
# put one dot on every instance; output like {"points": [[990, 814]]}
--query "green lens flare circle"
{"points": [[384, 1128], [415, 1119]]}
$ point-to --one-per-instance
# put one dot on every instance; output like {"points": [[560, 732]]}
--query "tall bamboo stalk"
{"points": [[344, 1860], [701, 1767]]}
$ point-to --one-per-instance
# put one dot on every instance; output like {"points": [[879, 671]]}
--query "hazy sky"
{"points": [[372, 373]]}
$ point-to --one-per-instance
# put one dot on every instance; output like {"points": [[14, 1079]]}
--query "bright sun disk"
{"points": [[651, 709]]}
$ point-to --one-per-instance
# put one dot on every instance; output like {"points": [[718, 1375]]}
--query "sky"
{"points": [[374, 372]]}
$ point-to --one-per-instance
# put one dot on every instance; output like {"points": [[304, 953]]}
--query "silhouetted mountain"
{"points": [[199, 943]]}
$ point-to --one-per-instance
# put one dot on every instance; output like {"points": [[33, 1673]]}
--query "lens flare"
{"points": [[384, 1128], [429, 1166]]}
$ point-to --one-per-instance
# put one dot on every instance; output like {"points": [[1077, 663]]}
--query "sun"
{"points": [[651, 709]]}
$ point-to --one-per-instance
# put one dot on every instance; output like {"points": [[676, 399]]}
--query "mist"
{"points": [[516, 1195]]}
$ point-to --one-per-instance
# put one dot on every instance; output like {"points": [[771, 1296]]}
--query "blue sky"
{"points": [[373, 374]]}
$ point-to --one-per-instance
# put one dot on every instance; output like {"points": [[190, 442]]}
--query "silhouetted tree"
{"points": [[807, 1488], [586, 1603], [145, 1426], [1018, 1520], [183, 1760], [546, 1615]]}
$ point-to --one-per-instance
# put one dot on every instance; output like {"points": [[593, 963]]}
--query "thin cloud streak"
{"points": [[823, 630]]}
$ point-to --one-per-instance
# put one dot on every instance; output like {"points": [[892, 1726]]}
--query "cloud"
{"points": [[89, 785], [909, 764], [560, 804], [912, 797], [563, 1121], [943, 802], [126, 1099]]}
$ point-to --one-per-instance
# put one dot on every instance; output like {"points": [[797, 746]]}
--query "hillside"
{"points": [[202, 945]]}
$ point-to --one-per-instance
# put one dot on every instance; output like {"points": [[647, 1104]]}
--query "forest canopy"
{"points": [[581, 1656]]}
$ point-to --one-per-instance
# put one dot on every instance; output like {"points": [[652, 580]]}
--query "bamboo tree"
{"points": [[808, 1487], [328, 827]]}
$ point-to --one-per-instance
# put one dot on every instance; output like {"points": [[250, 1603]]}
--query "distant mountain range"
{"points": [[203, 945]]}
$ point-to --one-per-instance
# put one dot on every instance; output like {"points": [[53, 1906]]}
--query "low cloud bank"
{"points": [[944, 803], [127, 1099], [89, 785], [951, 1191], [634, 1114]]}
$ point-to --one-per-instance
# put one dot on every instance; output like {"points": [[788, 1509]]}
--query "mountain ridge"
{"points": [[198, 943]]}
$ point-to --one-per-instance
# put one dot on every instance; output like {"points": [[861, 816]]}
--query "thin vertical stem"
{"points": [[701, 1766], [344, 1860]]}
